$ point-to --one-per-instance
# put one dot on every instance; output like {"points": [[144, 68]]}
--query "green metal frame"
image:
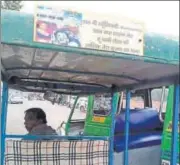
{"points": [[98, 128], [70, 116], [167, 131], [93, 128]]}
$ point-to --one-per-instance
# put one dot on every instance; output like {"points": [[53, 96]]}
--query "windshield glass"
{"points": [[102, 105], [80, 108], [156, 98], [136, 102]]}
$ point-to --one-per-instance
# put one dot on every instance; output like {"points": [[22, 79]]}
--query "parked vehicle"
{"points": [[16, 100]]}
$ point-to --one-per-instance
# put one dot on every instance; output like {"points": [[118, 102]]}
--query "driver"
{"points": [[36, 124]]}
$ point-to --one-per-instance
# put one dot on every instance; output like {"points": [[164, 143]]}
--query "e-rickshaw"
{"points": [[28, 66], [146, 122]]}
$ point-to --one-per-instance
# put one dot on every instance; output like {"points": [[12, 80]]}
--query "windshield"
{"points": [[80, 108], [102, 105], [136, 102], [156, 98]]}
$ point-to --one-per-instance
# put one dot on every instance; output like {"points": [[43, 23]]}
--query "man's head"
{"points": [[34, 117]]}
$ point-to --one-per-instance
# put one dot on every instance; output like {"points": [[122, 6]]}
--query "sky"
{"points": [[159, 16]]}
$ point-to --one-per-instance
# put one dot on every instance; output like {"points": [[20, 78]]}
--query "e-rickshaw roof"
{"points": [[38, 67]]}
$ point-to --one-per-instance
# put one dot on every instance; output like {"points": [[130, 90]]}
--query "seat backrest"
{"points": [[51, 152], [140, 120]]}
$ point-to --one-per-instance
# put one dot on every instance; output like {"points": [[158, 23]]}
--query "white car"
{"points": [[16, 100]]}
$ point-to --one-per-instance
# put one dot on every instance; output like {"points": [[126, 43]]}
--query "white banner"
{"points": [[88, 30]]}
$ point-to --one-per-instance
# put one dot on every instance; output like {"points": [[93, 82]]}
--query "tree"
{"points": [[12, 5]]}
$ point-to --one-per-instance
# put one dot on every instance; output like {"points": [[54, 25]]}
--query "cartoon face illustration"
{"points": [[61, 38], [43, 31], [43, 26]]}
